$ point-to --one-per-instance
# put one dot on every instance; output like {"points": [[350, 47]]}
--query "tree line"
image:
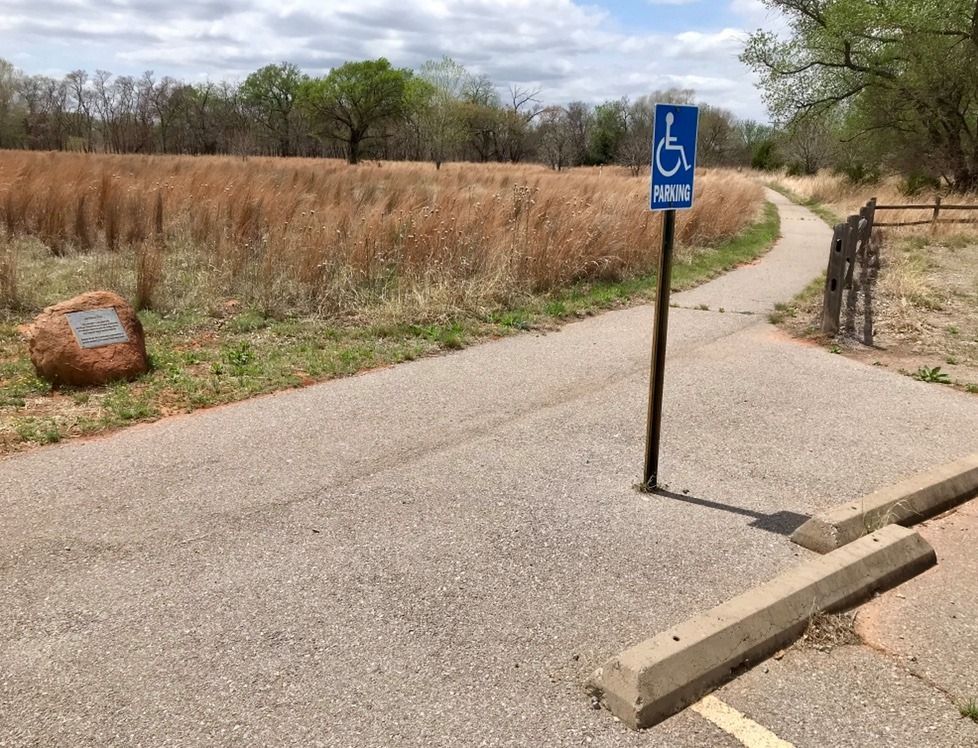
{"points": [[363, 109], [862, 89]]}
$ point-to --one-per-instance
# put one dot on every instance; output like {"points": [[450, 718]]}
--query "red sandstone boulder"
{"points": [[97, 350]]}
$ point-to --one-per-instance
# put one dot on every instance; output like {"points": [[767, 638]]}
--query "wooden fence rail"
{"points": [[936, 207]]}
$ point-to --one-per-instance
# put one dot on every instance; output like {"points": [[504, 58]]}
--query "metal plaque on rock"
{"points": [[97, 327]]}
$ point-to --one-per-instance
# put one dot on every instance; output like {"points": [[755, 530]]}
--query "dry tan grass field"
{"points": [[258, 274], [323, 237]]}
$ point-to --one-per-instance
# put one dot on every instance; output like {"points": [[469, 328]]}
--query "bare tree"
{"points": [[809, 144], [45, 101], [481, 114], [104, 106], [524, 107], [634, 150], [556, 137], [717, 139], [441, 117], [579, 121], [81, 101], [161, 99]]}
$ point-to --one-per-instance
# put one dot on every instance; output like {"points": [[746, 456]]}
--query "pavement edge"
{"points": [[653, 680], [903, 503]]}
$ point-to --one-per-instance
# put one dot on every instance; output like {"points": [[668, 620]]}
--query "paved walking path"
{"points": [[441, 552]]}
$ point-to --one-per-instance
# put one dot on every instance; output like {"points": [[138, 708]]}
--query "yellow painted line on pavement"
{"points": [[746, 730]]}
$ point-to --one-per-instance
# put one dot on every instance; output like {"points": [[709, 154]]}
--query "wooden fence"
{"points": [[935, 209], [854, 244]]}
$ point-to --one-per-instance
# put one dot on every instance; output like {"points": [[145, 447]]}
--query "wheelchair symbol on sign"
{"points": [[669, 143]]}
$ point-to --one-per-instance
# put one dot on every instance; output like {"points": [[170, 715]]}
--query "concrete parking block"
{"points": [[656, 678], [924, 495]]}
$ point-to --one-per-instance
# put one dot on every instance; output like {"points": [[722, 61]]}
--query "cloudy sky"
{"points": [[567, 49]]}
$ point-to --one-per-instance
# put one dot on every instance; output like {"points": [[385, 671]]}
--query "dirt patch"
{"points": [[926, 322]]}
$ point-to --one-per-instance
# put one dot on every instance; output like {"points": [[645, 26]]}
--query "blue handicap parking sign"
{"points": [[673, 156]]}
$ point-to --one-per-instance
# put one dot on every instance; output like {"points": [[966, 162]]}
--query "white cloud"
{"points": [[727, 42], [568, 49], [756, 14]]}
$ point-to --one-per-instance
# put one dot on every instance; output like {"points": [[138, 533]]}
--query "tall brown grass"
{"points": [[8, 278], [322, 236], [844, 198]]}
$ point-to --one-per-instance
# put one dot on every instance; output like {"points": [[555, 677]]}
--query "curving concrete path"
{"points": [[440, 553], [798, 258]]}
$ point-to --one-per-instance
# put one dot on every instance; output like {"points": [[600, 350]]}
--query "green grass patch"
{"points": [[38, 430], [200, 360], [803, 303]]}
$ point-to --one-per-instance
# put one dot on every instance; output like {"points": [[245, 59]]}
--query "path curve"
{"points": [[797, 259]]}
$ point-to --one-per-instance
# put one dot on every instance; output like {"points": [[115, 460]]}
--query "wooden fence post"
{"points": [[834, 280], [852, 246], [937, 213], [873, 247], [868, 265], [870, 212]]}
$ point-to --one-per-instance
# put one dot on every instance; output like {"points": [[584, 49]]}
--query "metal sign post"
{"points": [[673, 166]]}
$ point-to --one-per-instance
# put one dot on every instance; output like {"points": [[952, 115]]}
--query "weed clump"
{"points": [[826, 631]]}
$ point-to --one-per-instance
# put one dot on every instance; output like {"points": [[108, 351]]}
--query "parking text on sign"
{"points": [[672, 193]]}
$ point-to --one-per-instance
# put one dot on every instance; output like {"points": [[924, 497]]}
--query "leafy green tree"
{"points": [[902, 72], [608, 130], [764, 155], [355, 102], [751, 134], [270, 96]]}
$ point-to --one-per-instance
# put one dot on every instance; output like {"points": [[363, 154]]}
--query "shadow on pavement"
{"points": [[782, 523]]}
